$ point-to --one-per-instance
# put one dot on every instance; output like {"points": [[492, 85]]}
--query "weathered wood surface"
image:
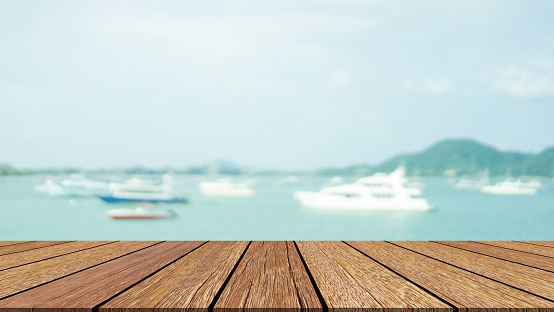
{"points": [[23, 277], [542, 243], [29, 256], [9, 249], [363, 283], [523, 277], [523, 246], [533, 260], [268, 276], [7, 243], [460, 288], [190, 283], [84, 290]]}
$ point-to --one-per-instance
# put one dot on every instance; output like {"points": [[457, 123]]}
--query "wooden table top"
{"points": [[357, 276]]}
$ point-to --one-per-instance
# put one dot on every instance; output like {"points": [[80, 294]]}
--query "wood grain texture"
{"points": [[542, 243], [9, 249], [523, 246], [82, 291], [350, 280], [29, 256], [270, 276], [527, 278], [4, 250], [191, 283], [524, 258], [7, 243], [463, 289], [18, 279]]}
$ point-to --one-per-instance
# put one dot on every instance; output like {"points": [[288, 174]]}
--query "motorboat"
{"points": [[359, 197], [226, 187], [473, 184], [534, 183], [140, 213], [139, 185], [509, 187], [141, 197], [470, 184], [74, 185], [383, 183]]}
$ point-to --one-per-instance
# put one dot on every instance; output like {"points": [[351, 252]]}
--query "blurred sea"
{"points": [[273, 214]]}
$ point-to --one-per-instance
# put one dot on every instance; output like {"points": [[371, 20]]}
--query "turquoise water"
{"points": [[274, 215]]}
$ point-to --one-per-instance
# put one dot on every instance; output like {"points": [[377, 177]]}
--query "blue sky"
{"points": [[270, 84]]}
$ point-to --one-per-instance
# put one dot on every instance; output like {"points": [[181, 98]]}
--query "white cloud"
{"points": [[430, 86], [233, 53], [230, 36], [535, 79], [436, 86], [339, 79]]}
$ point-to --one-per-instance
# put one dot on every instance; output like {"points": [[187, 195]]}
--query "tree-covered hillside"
{"points": [[467, 157]]}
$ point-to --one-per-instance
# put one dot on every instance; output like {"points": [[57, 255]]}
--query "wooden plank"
{"points": [[348, 279], [460, 288], [6, 243], [521, 246], [520, 257], [18, 279], [192, 282], [527, 278], [29, 256], [4, 250], [541, 243], [270, 276], [84, 290]]}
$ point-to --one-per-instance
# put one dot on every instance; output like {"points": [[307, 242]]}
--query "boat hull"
{"points": [[321, 201], [113, 199], [502, 191]]}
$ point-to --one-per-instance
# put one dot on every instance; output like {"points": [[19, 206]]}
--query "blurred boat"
{"points": [[141, 197], [361, 197], [470, 184], [75, 185], [473, 184], [226, 187], [139, 213], [139, 185], [534, 183], [509, 187], [389, 183]]}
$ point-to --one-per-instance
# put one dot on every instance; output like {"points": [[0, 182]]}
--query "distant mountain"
{"points": [[466, 157], [219, 166]]}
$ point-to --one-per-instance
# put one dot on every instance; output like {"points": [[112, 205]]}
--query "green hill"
{"points": [[467, 157]]}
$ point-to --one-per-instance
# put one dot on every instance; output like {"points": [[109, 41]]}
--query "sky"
{"points": [[270, 84]]}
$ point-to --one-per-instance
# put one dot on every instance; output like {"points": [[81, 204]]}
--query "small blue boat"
{"points": [[142, 197]]}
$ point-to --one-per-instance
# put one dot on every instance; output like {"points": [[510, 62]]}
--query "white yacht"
{"points": [[226, 187], [509, 187], [361, 197], [389, 183], [139, 185], [473, 184], [386, 192], [534, 183], [75, 185]]}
